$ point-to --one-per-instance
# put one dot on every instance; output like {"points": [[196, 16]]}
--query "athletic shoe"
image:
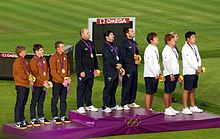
{"points": [[20, 126], [81, 110], [92, 108], [177, 112], [57, 121], [107, 110], [35, 123], [117, 108], [65, 120], [134, 105], [186, 111], [196, 109], [125, 107], [169, 112], [44, 121], [27, 124]]}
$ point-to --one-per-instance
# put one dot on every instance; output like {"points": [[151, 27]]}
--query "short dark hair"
{"points": [[189, 34], [150, 36], [106, 33], [168, 37], [126, 30], [57, 43], [19, 49], [37, 47]]}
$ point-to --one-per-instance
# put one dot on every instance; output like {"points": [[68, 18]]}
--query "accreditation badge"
{"points": [[91, 55]]}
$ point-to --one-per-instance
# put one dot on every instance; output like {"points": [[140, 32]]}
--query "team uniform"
{"points": [[171, 67], [21, 72], [151, 69], [86, 60], [60, 68], [191, 61], [40, 70], [129, 80], [111, 57]]}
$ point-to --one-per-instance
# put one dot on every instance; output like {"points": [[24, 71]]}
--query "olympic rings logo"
{"points": [[132, 122]]}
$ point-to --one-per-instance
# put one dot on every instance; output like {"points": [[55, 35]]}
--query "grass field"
{"points": [[26, 22]]}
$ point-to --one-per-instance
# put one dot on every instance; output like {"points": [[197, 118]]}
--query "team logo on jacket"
{"points": [[129, 47], [44, 62], [86, 49], [128, 75], [109, 79]]}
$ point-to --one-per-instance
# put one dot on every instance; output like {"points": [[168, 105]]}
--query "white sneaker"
{"points": [[196, 109], [81, 110], [117, 108], [169, 112], [186, 111], [107, 110], [177, 112], [125, 107], [151, 110], [133, 105], [92, 108]]}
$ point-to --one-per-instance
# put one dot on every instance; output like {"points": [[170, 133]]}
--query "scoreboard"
{"points": [[97, 26]]}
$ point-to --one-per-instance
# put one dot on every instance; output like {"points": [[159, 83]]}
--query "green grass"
{"points": [[32, 21]]}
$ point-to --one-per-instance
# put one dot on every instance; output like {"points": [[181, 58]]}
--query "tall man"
{"points": [[86, 63], [151, 69], [111, 67], [40, 70], [60, 68], [191, 69], [171, 72], [129, 52]]}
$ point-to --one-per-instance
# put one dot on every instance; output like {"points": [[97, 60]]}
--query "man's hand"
{"points": [[118, 66], [172, 77]]}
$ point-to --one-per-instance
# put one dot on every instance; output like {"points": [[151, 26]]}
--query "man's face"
{"points": [[86, 34], [23, 53], [60, 48], [40, 52], [111, 37], [155, 40], [130, 33], [192, 39]]}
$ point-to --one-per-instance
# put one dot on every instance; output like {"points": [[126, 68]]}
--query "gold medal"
{"points": [[117, 57], [44, 73], [63, 70], [91, 55]]}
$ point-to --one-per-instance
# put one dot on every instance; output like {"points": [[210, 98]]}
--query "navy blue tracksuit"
{"points": [[110, 53], [86, 61], [130, 79]]}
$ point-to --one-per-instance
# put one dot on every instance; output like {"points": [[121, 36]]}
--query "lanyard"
{"points": [[175, 52], [41, 64], [194, 51], [114, 48], [89, 46], [27, 69], [61, 60], [133, 45], [157, 55]]}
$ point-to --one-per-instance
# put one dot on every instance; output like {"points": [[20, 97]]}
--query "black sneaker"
{"points": [[35, 123], [20, 126], [27, 124], [44, 121], [57, 121], [65, 120]]}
